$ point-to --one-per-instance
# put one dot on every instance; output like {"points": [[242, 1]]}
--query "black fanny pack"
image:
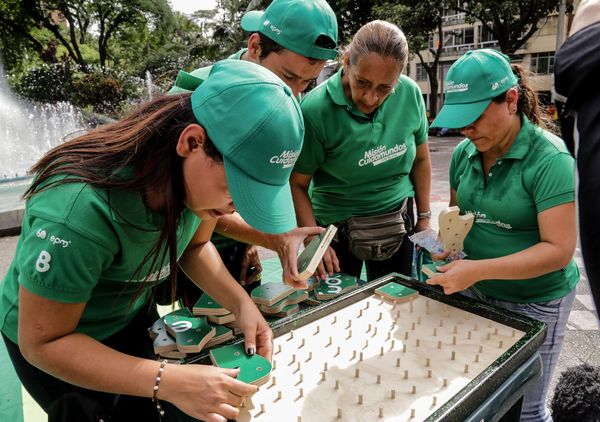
{"points": [[376, 237]]}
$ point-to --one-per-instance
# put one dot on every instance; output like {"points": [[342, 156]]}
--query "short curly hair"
{"points": [[577, 395]]}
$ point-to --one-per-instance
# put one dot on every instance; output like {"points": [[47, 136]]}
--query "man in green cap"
{"points": [[293, 39]]}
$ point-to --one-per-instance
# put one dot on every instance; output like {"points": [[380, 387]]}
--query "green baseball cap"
{"points": [[296, 25], [255, 122], [470, 85]]}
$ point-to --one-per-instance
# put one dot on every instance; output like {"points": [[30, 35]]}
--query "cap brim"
{"points": [[268, 208], [252, 20], [460, 115]]}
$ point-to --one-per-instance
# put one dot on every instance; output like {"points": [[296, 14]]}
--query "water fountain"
{"points": [[27, 131]]}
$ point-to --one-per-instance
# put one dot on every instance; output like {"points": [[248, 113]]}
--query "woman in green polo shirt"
{"points": [[517, 179], [113, 213], [365, 152]]}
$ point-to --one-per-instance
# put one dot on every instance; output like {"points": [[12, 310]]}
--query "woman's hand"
{"points": [[458, 275], [204, 392], [250, 259], [287, 246], [259, 336], [328, 265]]}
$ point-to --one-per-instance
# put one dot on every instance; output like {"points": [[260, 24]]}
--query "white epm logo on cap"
{"points": [[286, 159], [273, 28]]}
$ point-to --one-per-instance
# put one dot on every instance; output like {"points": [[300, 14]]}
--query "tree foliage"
{"points": [[512, 22]]}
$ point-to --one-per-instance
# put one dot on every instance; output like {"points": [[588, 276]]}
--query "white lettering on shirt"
{"points": [[381, 154]]}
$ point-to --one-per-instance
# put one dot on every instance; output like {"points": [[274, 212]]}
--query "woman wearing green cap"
{"points": [[365, 152], [517, 179], [113, 213]]}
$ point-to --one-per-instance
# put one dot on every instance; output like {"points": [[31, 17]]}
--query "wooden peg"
{"points": [[412, 412], [339, 413], [360, 399], [489, 336], [404, 348], [337, 353], [278, 349], [349, 334], [367, 305], [392, 344], [291, 335], [309, 357], [323, 376], [397, 362], [353, 354], [406, 374], [368, 328], [441, 324], [317, 330], [360, 358], [337, 384], [434, 401], [273, 381], [406, 335], [301, 393], [469, 336], [500, 344], [274, 364], [453, 355], [419, 321], [381, 412], [477, 358], [455, 330], [466, 368], [302, 343], [435, 332], [325, 366], [349, 324], [429, 373], [414, 389], [381, 351], [496, 331], [359, 313], [262, 408], [514, 333], [393, 394], [356, 373], [480, 348], [366, 344], [454, 340], [380, 316], [475, 327], [439, 344], [374, 332], [279, 396], [329, 342], [297, 367], [334, 319], [427, 363], [418, 342], [413, 326], [389, 336], [378, 379], [445, 384]]}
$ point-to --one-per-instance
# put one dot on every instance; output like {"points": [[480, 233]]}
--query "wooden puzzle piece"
{"points": [[311, 300], [396, 292], [430, 270], [270, 293], [206, 305], [288, 310], [311, 256], [454, 228], [222, 334], [191, 333], [335, 285], [221, 319], [253, 369], [163, 343], [296, 297]]}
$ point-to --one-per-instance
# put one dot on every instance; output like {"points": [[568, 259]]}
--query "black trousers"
{"points": [[400, 262], [66, 402]]}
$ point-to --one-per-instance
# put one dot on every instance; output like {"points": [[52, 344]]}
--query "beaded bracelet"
{"points": [[156, 384]]}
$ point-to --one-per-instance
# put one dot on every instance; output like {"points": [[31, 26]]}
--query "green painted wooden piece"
{"points": [[335, 285], [253, 369], [191, 333], [270, 293], [206, 305], [396, 292]]}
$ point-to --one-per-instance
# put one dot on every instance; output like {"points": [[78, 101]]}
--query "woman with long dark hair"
{"points": [[115, 212]]}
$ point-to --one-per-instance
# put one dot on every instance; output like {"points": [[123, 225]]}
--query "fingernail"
{"points": [[250, 351]]}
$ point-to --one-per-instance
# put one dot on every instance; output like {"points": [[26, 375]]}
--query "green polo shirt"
{"points": [[360, 164], [79, 244], [536, 174]]}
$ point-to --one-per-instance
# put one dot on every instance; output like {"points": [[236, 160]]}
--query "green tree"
{"points": [[512, 22], [352, 15]]}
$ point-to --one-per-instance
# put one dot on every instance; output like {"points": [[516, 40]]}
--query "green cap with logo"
{"points": [[470, 85], [296, 25], [255, 122]]}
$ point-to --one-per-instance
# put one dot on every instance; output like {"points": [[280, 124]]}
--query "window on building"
{"points": [[488, 39], [421, 73], [543, 63]]}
